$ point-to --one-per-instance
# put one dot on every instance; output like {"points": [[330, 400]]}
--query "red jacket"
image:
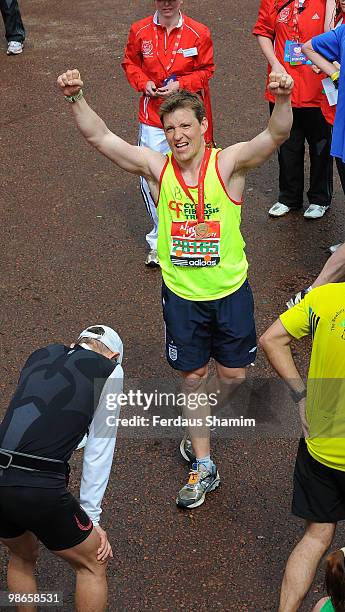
{"points": [[279, 28], [141, 63]]}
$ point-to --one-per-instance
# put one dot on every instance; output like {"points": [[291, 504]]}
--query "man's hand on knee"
{"points": [[104, 552]]}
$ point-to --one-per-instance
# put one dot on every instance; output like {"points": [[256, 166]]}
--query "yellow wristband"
{"points": [[335, 75]]}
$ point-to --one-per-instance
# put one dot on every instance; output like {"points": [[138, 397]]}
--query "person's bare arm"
{"points": [[245, 155], [332, 272], [317, 59], [276, 344], [137, 160], [329, 15], [334, 269], [266, 46]]}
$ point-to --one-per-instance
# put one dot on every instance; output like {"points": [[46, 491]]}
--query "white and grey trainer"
{"points": [[15, 47], [201, 481], [152, 260]]}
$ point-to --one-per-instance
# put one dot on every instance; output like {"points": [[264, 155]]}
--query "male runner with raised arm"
{"points": [[207, 302]]}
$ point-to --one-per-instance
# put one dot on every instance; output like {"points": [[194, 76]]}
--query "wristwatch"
{"points": [[75, 97]]}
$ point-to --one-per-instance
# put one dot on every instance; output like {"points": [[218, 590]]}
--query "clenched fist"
{"points": [[280, 84], [70, 82]]}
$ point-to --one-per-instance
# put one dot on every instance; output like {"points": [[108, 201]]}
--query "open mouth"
{"points": [[182, 145]]}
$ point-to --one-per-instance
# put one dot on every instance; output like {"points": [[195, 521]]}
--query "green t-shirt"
{"points": [[327, 607], [205, 261]]}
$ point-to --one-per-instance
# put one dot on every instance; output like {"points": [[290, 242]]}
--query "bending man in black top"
{"points": [[63, 392]]}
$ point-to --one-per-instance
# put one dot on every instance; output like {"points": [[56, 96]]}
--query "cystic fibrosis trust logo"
{"points": [[147, 48], [176, 207], [188, 211]]}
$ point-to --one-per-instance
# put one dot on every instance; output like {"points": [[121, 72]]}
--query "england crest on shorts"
{"points": [[172, 352]]}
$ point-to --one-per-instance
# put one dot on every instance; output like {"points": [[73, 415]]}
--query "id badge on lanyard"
{"points": [[169, 65], [293, 48], [293, 54], [195, 243]]}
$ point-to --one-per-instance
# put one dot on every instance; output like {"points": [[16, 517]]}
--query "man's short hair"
{"points": [[183, 99]]}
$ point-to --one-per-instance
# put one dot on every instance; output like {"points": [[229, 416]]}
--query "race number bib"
{"points": [[195, 244]]}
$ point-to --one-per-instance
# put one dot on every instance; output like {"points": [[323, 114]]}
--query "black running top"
{"points": [[54, 403]]}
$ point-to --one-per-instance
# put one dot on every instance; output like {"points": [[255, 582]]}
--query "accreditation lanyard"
{"points": [[176, 46], [298, 7], [200, 206]]}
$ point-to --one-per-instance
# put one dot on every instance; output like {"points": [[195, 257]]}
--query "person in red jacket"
{"points": [[280, 26], [166, 52]]}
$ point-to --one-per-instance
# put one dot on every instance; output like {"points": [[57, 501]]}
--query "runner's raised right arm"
{"points": [[136, 160]]}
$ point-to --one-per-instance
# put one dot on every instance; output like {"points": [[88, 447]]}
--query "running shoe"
{"points": [[314, 211], [14, 47], [201, 481], [278, 210], [186, 450], [152, 259]]}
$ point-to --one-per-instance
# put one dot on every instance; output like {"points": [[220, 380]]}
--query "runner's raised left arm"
{"points": [[246, 155]]}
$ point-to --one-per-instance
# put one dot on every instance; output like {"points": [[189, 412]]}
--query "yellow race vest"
{"points": [[322, 315], [200, 261]]}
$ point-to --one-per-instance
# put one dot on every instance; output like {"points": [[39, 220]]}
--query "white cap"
{"points": [[109, 338]]}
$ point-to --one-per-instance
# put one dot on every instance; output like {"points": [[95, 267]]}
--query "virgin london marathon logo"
{"points": [[147, 48]]}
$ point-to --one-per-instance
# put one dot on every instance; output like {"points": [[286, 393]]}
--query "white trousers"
{"points": [[154, 138]]}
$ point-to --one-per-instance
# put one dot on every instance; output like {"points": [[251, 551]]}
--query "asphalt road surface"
{"points": [[72, 233]]}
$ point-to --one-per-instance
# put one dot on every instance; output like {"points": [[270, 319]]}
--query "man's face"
{"points": [[168, 8], [342, 5], [184, 133]]}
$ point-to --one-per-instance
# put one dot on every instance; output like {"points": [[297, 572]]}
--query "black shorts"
{"points": [[223, 329], [319, 491], [53, 515]]}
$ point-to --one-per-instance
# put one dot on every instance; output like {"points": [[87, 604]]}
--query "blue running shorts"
{"points": [[223, 329]]}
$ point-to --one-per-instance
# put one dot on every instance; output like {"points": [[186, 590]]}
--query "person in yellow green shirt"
{"points": [[207, 302], [319, 476]]}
